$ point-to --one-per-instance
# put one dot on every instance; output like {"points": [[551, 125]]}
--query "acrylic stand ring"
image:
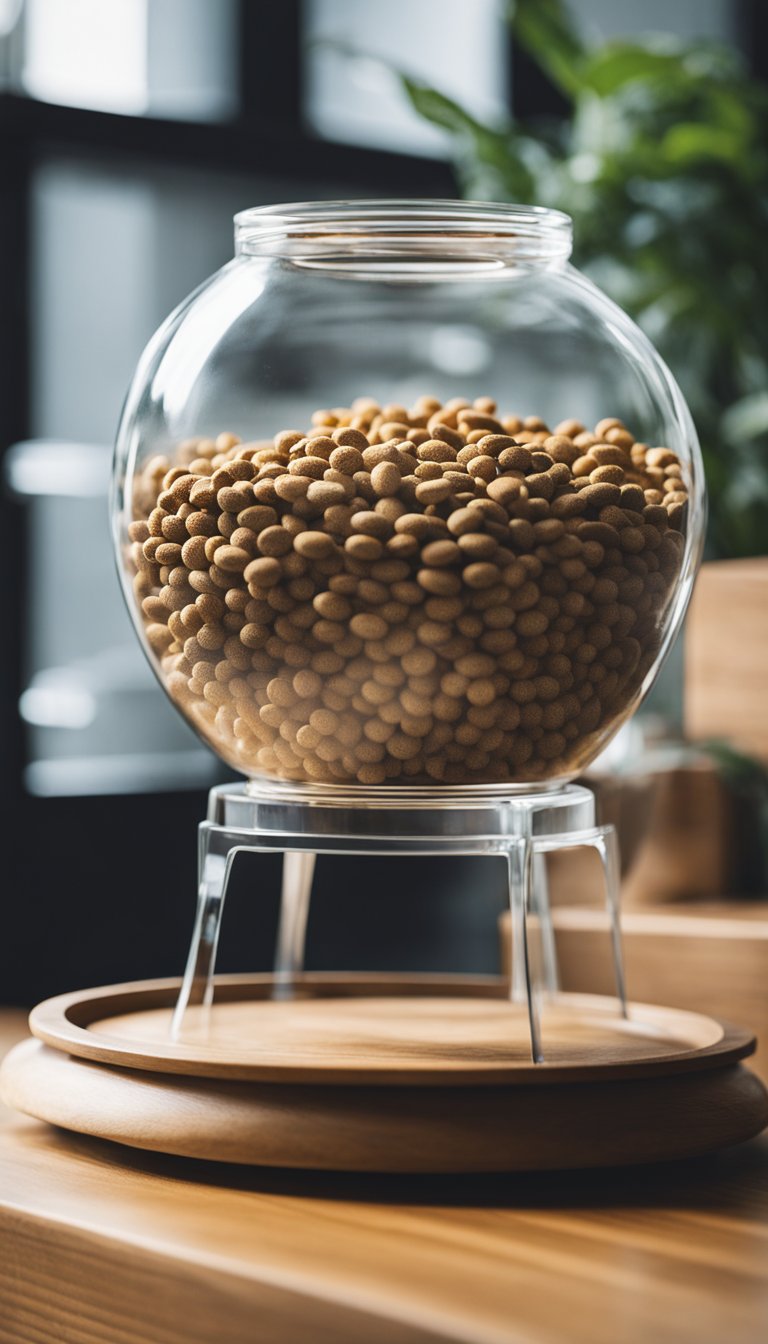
{"points": [[305, 821]]}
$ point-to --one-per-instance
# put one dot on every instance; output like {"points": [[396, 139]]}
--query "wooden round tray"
{"points": [[379, 1030], [386, 1073]]}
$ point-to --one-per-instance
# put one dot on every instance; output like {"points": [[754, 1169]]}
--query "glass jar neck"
{"points": [[388, 237]]}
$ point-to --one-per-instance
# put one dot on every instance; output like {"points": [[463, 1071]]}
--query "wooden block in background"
{"points": [[726, 655], [690, 849], [707, 958], [681, 837]]}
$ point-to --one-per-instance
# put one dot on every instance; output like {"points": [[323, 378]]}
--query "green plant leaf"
{"points": [[439, 108], [496, 152], [544, 28], [663, 165], [620, 63], [689, 141]]}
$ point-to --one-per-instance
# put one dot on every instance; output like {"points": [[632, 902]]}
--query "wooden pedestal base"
{"points": [[394, 1074]]}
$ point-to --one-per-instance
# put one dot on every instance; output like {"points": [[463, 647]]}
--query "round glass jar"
{"points": [[401, 497]]}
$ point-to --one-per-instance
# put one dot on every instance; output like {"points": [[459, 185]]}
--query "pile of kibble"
{"points": [[433, 594]]}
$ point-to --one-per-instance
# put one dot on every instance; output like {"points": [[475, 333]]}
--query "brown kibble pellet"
{"points": [[233, 498], [620, 436], [474, 665], [264, 572], [347, 460], [274, 541], [372, 524], [416, 525], [324, 721], [433, 492], [598, 496], [244, 538], [603, 426], [482, 468], [311, 468], [614, 475], [477, 546], [607, 454], [428, 471], [481, 692], [505, 490], [531, 622], [325, 494], [442, 582], [561, 448], [332, 606], [477, 419], [257, 517], [584, 466], [314, 545], [385, 479], [491, 445], [462, 520], [253, 635], [292, 487], [403, 747], [367, 625], [362, 547], [515, 458], [167, 553], [350, 438], [440, 553], [481, 575], [232, 558], [441, 433], [202, 494], [402, 545], [194, 553]]}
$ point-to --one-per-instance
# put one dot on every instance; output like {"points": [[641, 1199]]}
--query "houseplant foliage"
{"points": [[663, 164]]}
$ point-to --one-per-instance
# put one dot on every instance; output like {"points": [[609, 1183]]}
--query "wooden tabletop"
{"points": [[102, 1245]]}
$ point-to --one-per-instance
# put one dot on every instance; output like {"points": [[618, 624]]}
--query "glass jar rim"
{"points": [[521, 233]]}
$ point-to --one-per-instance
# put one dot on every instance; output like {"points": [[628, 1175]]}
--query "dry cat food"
{"points": [[433, 594]]}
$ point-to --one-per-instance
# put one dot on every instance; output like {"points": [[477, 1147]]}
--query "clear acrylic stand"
{"points": [[303, 821]]}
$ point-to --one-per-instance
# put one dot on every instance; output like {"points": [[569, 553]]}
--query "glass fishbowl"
{"points": [[401, 497]]}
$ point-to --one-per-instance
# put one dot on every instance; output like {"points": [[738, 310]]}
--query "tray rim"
{"points": [[62, 1022]]}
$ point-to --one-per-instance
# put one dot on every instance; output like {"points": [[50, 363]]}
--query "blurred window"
{"points": [[10, 41], [684, 18], [87, 54], [112, 253], [456, 45], [172, 58]]}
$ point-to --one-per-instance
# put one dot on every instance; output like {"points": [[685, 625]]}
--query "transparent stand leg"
{"points": [[298, 872], [603, 839], [520, 869], [607, 846], [215, 863], [540, 906]]}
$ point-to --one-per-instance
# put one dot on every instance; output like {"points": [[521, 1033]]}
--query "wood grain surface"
{"points": [[99, 1245]]}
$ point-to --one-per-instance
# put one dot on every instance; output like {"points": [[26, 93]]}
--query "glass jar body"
{"points": [[375, 631]]}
